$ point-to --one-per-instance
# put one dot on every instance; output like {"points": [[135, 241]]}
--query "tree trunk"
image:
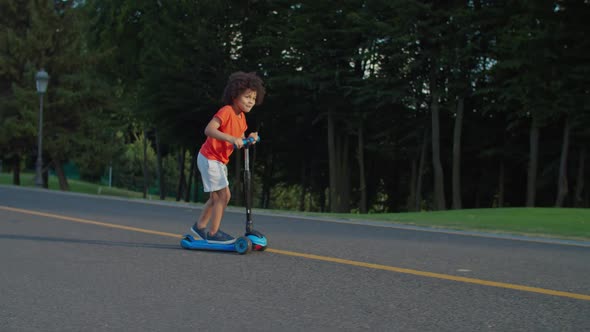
{"points": [[439, 190], [334, 197], [187, 196], [411, 204], [502, 173], [421, 166], [344, 171], [161, 176], [303, 184], [316, 187], [181, 177], [323, 199], [579, 201], [562, 185], [501, 181], [45, 177], [16, 170], [61, 176], [267, 180], [339, 168], [533, 160], [361, 160], [457, 204], [145, 168]]}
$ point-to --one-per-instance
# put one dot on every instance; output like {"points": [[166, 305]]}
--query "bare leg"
{"points": [[219, 199], [206, 214]]}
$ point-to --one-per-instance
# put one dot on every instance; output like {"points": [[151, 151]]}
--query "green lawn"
{"points": [[27, 180], [555, 222], [564, 223]]}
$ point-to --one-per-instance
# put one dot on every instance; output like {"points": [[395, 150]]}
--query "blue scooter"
{"points": [[244, 244]]}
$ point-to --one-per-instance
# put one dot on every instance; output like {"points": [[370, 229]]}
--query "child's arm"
{"points": [[212, 130]]}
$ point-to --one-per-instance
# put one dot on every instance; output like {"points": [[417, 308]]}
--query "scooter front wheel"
{"points": [[259, 241], [243, 245]]}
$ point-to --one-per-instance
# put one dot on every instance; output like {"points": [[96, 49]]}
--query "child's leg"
{"points": [[219, 199], [206, 214]]}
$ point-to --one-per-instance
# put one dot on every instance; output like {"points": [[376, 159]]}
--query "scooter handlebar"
{"points": [[248, 141]]}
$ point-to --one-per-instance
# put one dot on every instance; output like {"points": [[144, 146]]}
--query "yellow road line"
{"points": [[434, 275], [91, 222], [329, 259]]}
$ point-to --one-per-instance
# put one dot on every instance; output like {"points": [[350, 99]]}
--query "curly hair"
{"points": [[239, 82]]}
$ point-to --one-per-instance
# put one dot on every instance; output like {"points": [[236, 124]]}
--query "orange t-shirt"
{"points": [[231, 124]]}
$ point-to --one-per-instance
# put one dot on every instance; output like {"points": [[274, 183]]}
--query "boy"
{"points": [[226, 129]]}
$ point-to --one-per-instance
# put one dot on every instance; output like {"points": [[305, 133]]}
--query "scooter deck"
{"points": [[241, 245]]}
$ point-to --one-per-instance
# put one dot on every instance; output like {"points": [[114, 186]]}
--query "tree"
{"points": [[525, 68], [571, 92], [50, 35], [18, 120]]}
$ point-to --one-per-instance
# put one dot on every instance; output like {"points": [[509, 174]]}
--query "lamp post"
{"points": [[42, 79]]}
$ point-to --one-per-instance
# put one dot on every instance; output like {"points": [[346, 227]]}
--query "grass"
{"points": [[27, 180], [565, 223]]}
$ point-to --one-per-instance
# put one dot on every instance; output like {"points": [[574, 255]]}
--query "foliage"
{"points": [[128, 166], [344, 79]]}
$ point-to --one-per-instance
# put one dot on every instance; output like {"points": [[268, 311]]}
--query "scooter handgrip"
{"points": [[248, 141]]}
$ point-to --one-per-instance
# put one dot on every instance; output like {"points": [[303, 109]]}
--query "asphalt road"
{"points": [[74, 262]]}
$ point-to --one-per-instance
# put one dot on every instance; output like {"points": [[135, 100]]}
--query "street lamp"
{"points": [[42, 79]]}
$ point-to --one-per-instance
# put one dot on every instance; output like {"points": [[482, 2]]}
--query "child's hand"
{"points": [[254, 135], [238, 142]]}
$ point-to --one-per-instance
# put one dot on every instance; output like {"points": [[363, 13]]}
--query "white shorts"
{"points": [[213, 174]]}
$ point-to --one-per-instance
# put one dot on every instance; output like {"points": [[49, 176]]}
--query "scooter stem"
{"points": [[247, 184], [248, 190]]}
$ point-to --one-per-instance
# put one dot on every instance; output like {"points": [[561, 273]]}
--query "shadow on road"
{"points": [[91, 242]]}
